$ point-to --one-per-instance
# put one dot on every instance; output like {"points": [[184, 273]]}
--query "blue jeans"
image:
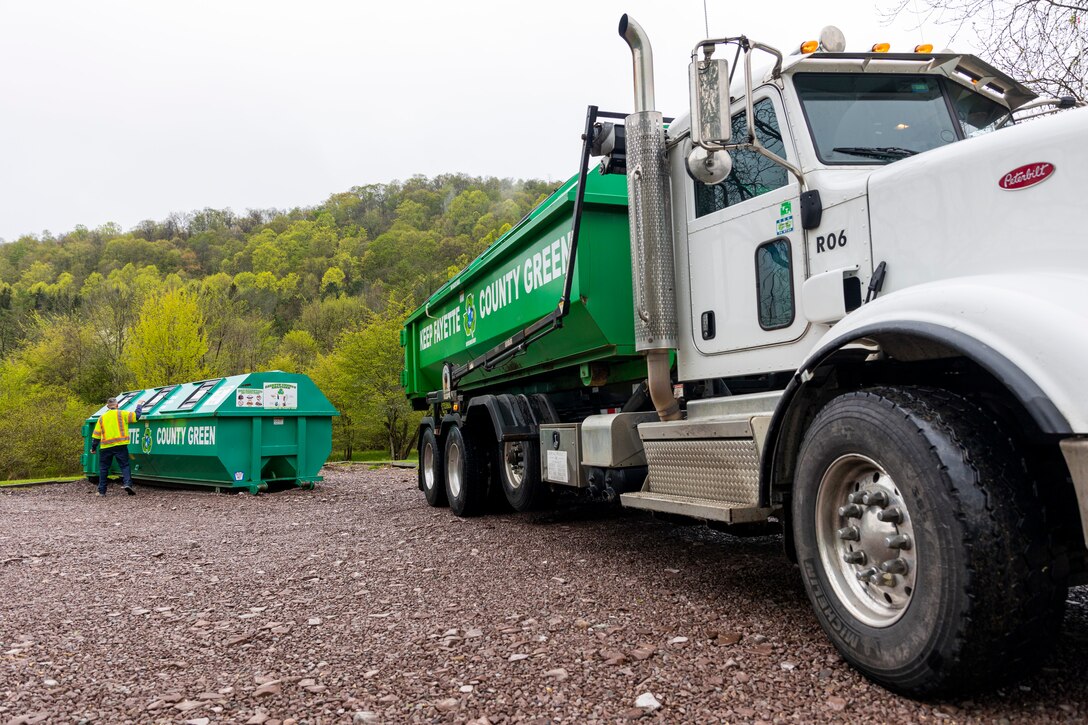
{"points": [[105, 459]]}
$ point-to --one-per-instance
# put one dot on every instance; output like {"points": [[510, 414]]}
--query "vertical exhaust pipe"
{"points": [[651, 226]]}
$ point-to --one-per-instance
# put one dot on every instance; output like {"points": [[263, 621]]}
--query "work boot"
{"points": [[129, 490]]}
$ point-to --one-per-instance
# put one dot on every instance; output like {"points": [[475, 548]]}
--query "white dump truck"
{"points": [[859, 286]]}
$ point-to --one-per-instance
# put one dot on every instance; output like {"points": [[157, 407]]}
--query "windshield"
{"points": [[977, 114], [876, 119]]}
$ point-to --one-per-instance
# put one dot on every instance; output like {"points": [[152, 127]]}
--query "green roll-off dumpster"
{"points": [[245, 432]]}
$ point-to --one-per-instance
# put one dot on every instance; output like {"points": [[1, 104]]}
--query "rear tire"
{"points": [[519, 472], [466, 474], [954, 587], [431, 469]]}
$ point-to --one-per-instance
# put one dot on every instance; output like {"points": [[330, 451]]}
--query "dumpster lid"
{"points": [[272, 393]]}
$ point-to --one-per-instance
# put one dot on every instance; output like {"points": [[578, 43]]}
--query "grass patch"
{"points": [[379, 456], [32, 481]]}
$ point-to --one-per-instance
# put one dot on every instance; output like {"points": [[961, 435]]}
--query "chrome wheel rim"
{"points": [[429, 474], [453, 468], [513, 461], [865, 536]]}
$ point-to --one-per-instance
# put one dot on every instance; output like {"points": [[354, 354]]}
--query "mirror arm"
{"points": [[749, 111], [793, 169]]}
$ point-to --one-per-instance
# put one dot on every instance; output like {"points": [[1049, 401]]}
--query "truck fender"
{"points": [[505, 413], [1011, 326], [448, 421]]}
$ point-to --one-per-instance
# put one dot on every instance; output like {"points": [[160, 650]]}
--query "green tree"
{"points": [[332, 281], [297, 353], [362, 378], [39, 424], [65, 354], [111, 307], [169, 342], [325, 320]]}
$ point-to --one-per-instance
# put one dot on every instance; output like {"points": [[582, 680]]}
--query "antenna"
{"points": [[706, 23]]}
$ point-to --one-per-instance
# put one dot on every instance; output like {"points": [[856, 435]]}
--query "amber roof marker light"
{"points": [[831, 40]]}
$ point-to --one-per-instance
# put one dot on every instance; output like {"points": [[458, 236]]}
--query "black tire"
{"points": [[519, 472], [518, 462], [432, 479], [466, 474], [976, 598]]}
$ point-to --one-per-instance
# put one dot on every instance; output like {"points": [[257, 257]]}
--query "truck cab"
{"points": [[890, 187], [880, 329]]}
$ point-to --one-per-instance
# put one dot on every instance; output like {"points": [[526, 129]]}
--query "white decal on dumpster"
{"points": [[500, 292], [193, 435], [281, 395], [533, 272], [548, 264], [440, 329]]}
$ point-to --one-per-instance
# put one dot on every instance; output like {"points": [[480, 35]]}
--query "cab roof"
{"points": [[967, 70]]}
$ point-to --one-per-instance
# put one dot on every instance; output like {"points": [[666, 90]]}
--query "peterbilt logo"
{"points": [[1027, 175]]}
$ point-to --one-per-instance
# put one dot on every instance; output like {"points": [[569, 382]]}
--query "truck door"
{"points": [[746, 246]]}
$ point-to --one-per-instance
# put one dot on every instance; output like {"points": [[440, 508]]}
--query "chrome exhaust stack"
{"points": [[651, 226]]}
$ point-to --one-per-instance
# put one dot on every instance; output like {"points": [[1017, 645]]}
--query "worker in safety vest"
{"points": [[111, 436]]}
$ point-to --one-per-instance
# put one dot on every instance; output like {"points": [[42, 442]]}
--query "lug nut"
{"points": [[852, 511], [892, 515], [875, 498], [887, 580], [849, 533], [899, 541], [856, 497], [894, 566], [854, 557], [868, 574]]}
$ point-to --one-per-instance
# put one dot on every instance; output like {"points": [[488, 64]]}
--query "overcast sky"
{"points": [[125, 110]]}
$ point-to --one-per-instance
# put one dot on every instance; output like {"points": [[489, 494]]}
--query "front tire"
{"points": [[466, 474], [431, 469], [921, 544]]}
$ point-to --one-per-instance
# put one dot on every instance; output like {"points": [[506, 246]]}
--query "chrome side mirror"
{"points": [[708, 81]]}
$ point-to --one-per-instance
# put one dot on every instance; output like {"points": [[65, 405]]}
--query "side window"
{"points": [[752, 174], [774, 284]]}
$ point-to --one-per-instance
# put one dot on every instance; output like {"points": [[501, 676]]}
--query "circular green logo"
{"points": [[470, 317], [145, 443]]}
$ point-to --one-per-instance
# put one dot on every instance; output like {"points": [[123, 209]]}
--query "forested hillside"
{"points": [[320, 290]]}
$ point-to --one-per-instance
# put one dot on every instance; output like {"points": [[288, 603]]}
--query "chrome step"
{"points": [[695, 508]]}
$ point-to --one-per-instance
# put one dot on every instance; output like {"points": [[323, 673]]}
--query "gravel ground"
{"points": [[358, 603]]}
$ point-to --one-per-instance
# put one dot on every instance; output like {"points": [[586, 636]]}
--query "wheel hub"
{"points": [[866, 540], [453, 469], [514, 462], [429, 474]]}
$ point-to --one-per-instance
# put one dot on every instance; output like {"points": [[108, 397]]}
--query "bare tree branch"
{"points": [[1041, 42]]}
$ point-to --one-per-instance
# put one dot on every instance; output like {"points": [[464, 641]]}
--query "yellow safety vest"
{"points": [[112, 428]]}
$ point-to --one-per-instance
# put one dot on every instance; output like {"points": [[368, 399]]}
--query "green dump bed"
{"points": [[241, 432], [517, 281]]}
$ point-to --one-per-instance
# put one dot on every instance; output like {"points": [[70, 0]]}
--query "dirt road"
{"points": [[358, 603]]}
